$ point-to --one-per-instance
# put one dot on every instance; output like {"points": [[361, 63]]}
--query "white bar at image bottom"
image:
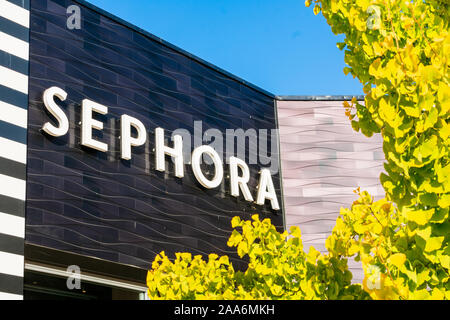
{"points": [[10, 296]]}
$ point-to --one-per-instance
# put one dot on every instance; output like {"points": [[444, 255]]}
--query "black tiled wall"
{"points": [[96, 204]]}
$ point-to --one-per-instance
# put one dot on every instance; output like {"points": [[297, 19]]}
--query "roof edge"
{"points": [[319, 98], [174, 47]]}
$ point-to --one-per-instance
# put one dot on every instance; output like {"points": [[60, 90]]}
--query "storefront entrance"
{"points": [[41, 286], [47, 277]]}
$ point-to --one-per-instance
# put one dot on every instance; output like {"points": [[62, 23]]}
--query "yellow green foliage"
{"points": [[278, 268], [400, 52], [394, 256]]}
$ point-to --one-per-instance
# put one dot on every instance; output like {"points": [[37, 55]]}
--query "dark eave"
{"points": [[173, 47], [212, 66]]}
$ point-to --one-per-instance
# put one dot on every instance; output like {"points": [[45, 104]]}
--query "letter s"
{"points": [[56, 111]]}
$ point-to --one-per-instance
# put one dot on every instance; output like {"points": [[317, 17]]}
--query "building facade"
{"points": [[116, 145], [323, 160]]}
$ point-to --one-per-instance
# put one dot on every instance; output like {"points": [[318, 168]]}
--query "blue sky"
{"points": [[277, 45]]}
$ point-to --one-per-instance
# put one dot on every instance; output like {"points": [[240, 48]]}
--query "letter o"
{"points": [[196, 156]]}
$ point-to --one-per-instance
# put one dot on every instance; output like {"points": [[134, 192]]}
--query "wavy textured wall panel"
{"points": [[96, 204], [323, 160]]}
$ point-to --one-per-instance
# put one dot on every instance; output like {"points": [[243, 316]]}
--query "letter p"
{"points": [[126, 140]]}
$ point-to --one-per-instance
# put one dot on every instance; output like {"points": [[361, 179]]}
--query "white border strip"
{"points": [[12, 187], [14, 80], [14, 46], [12, 114], [12, 225], [11, 264], [13, 150], [15, 13]]}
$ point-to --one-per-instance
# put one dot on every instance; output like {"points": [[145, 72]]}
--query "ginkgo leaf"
{"points": [[397, 259]]}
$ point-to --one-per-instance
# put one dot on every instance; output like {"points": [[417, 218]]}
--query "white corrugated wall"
{"points": [[323, 160]]}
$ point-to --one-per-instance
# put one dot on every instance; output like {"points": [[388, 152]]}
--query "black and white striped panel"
{"points": [[14, 53]]}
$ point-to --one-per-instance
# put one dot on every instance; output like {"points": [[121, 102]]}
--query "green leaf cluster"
{"points": [[379, 235], [400, 52], [278, 268]]}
